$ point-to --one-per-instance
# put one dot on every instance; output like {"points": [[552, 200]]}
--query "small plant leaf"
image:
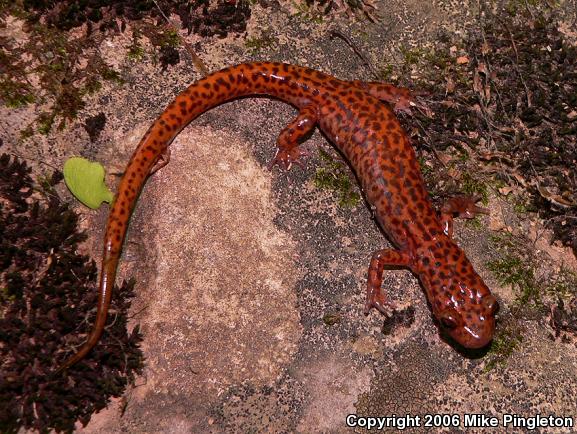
{"points": [[85, 180]]}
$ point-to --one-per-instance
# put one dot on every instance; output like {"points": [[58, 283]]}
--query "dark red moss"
{"points": [[403, 318], [528, 117], [47, 299]]}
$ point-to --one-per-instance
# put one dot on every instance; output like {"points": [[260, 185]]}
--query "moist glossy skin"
{"points": [[354, 117]]}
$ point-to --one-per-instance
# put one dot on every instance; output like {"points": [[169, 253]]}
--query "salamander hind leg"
{"points": [[376, 297], [163, 160], [461, 206], [288, 150]]}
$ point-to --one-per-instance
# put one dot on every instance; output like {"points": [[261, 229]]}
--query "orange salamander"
{"points": [[366, 131]]}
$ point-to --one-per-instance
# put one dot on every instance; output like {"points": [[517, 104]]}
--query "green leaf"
{"points": [[85, 180]]}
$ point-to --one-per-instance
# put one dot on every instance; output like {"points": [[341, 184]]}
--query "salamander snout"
{"points": [[462, 304], [472, 328]]}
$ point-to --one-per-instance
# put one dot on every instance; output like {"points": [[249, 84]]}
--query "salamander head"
{"points": [[461, 302]]}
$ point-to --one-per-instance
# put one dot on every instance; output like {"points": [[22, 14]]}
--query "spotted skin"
{"points": [[366, 131]]}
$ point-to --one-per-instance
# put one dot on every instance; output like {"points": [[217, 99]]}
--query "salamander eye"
{"points": [[448, 319], [491, 304]]}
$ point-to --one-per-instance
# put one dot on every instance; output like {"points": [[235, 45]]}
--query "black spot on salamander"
{"points": [[420, 226], [222, 82]]}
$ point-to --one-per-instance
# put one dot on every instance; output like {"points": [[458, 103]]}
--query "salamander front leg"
{"points": [[376, 297], [288, 150], [400, 98], [461, 206]]}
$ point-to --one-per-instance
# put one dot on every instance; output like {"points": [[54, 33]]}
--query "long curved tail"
{"points": [[274, 79]]}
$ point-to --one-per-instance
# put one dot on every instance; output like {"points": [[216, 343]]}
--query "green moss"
{"points": [[57, 59], [519, 206], [110, 74], [515, 266], [331, 319], [474, 223], [463, 156], [6, 297], [438, 59], [45, 122], [519, 273], [335, 176], [255, 45], [563, 284], [136, 51], [91, 87], [508, 338], [27, 132], [45, 183], [15, 94], [475, 187], [307, 13], [170, 38], [503, 240], [386, 72], [426, 170], [515, 6], [64, 79], [412, 56], [512, 266], [69, 68]]}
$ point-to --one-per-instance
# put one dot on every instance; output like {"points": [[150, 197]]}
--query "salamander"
{"points": [[359, 120]]}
